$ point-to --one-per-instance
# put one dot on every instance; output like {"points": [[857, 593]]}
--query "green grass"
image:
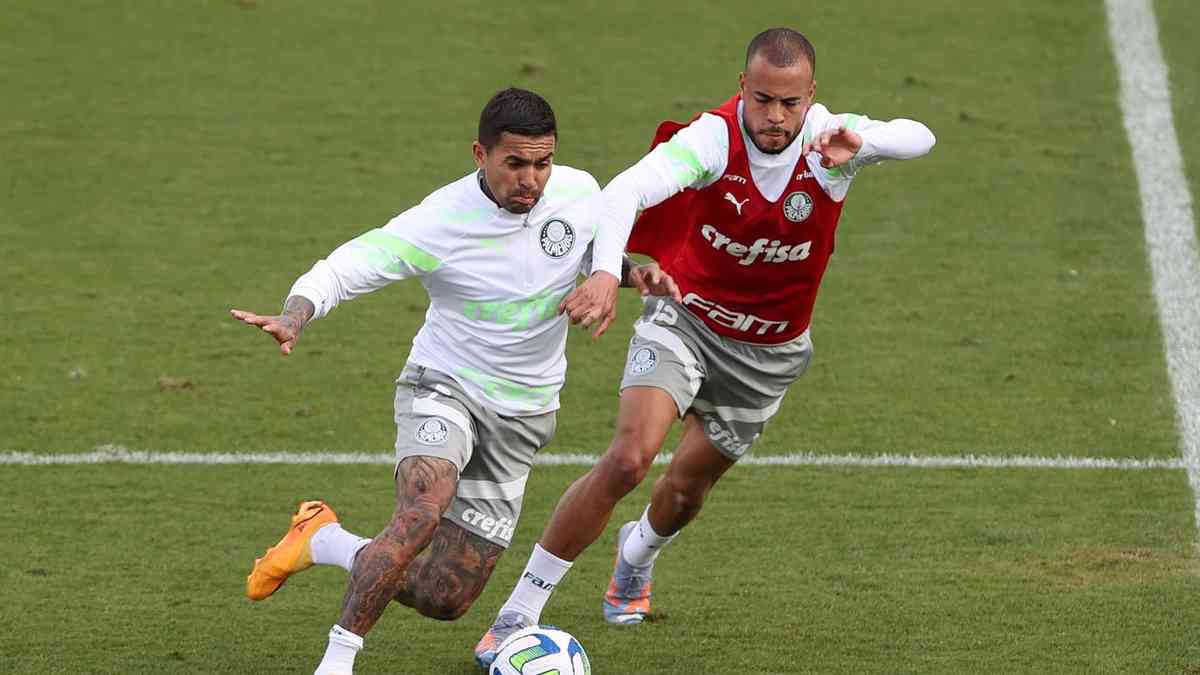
{"points": [[162, 162], [992, 297], [140, 569], [1183, 61]]}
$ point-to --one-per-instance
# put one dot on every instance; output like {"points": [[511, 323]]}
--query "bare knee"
{"points": [[628, 460]]}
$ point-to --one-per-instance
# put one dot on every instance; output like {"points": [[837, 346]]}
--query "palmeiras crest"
{"points": [[557, 237], [798, 206], [432, 431]]}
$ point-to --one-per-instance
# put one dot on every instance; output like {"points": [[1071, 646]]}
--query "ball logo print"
{"points": [[643, 361], [798, 206], [557, 238], [432, 431], [541, 650]]}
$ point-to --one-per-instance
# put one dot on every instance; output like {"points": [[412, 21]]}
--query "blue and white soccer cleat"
{"points": [[627, 600], [505, 625]]}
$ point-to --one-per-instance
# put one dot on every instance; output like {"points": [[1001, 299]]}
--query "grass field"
{"points": [[162, 162]]}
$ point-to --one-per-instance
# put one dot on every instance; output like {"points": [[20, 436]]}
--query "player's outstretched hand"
{"points": [[649, 279], [285, 328], [593, 302], [836, 146]]}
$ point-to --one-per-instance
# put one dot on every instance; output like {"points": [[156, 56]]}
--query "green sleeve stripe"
{"points": [[685, 163], [399, 248], [849, 120]]}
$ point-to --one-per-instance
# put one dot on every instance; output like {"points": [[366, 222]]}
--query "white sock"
{"points": [[542, 574], [339, 655], [332, 545], [643, 545]]}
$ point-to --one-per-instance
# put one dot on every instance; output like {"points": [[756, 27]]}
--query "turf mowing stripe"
{"points": [[1166, 211], [119, 455]]}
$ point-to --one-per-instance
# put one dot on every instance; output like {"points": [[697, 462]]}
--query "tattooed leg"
{"points": [[444, 581], [424, 488]]}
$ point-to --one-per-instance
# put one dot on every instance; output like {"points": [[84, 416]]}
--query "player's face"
{"points": [[516, 169], [775, 102]]}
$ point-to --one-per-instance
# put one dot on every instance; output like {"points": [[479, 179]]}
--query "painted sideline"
{"points": [[1166, 211], [117, 455]]}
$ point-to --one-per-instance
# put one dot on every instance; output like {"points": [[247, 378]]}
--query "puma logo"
{"points": [[738, 205]]}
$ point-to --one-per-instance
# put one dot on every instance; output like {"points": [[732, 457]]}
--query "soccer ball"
{"points": [[541, 650]]}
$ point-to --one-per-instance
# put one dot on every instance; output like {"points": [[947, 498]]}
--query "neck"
{"points": [[483, 186]]}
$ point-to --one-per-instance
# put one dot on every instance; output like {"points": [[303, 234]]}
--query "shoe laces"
{"points": [[631, 582], [508, 623]]}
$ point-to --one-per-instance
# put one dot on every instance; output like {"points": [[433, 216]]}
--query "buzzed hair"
{"points": [[782, 47]]}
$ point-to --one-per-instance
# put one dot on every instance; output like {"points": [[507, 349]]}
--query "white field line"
{"points": [[1166, 211], [119, 455]]}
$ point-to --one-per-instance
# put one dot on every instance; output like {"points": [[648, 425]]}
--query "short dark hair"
{"points": [[782, 47], [517, 111]]}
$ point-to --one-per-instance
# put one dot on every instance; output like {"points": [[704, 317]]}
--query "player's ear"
{"points": [[480, 154], [742, 83]]}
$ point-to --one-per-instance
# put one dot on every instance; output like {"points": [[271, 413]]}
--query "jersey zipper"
{"points": [[529, 239]]}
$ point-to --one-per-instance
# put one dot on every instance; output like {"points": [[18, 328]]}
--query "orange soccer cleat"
{"points": [[292, 554]]}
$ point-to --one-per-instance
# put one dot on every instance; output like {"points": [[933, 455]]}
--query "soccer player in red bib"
{"points": [[741, 207]]}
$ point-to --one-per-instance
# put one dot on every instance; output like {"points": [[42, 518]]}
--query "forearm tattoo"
{"points": [[297, 311], [424, 488]]}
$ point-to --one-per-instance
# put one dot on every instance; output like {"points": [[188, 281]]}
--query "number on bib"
{"points": [[664, 314]]}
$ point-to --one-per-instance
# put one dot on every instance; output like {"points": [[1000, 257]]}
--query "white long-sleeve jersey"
{"points": [[697, 155], [494, 278]]}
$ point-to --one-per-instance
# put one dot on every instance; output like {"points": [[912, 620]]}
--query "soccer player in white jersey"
{"points": [[497, 251], [740, 206]]}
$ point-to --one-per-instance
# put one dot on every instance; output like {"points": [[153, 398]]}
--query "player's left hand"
{"points": [[836, 146], [593, 302], [649, 279]]}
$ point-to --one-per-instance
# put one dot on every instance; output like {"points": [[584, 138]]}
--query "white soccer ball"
{"points": [[541, 650]]}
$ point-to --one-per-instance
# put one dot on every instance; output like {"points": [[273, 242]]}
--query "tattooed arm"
{"points": [[286, 327], [424, 488]]}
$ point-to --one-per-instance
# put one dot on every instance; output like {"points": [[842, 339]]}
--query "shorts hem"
{"points": [[396, 466], [725, 454], [680, 408]]}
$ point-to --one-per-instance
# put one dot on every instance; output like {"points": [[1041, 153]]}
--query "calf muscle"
{"points": [[424, 488], [645, 416], [444, 581]]}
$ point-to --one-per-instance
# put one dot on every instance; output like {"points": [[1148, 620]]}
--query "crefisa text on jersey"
{"points": [[769, 249]]}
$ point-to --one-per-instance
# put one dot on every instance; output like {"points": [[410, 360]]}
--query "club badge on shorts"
{"points": [[557, 237], [643, 361], [798, 206], [432, 431]]}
